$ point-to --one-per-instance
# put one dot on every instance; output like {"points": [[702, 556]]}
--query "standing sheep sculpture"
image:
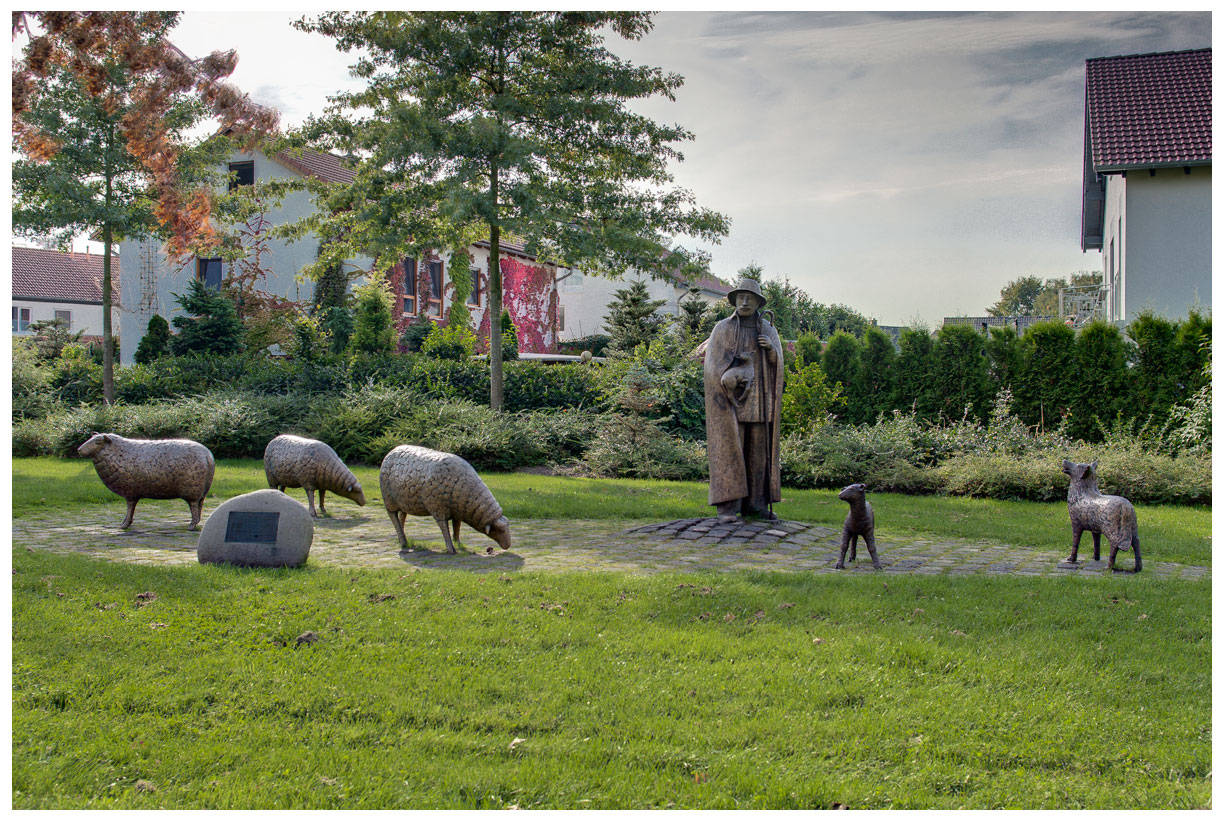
{"points": [[424, 482], [298, 462], [1099, 514], [859, 522], [152, 469]]}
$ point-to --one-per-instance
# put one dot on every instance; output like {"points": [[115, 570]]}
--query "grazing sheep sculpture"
{"points": [[1099, 514], [298, 462], [859, 522], [152, 469], [424, 482]]}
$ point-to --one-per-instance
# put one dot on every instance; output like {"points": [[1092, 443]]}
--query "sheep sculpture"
{"points": [[1099, 514], [860, 521], [152, 469], [298, 462], [424, 482]]}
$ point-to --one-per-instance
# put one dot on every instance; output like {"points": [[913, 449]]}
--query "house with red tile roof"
{"points": [[58, 284], [543, 312], [1147, 180]]}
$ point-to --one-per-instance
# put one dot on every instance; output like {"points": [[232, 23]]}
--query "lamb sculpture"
{"points": [[1099, 514], [859, 522], [298, 462], [424, 482], [152, 469]]}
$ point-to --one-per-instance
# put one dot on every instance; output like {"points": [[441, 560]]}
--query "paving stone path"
{"points": [[363, 537]]}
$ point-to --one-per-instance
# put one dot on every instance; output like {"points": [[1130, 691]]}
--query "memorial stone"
{"points": [[266, 529]]}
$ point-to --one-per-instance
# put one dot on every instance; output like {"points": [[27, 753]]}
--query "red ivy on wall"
{"points": [[529, 295]]}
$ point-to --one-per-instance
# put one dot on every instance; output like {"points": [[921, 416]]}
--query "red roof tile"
{"points": [[1147, 110], [325, 167], [60, 275]]}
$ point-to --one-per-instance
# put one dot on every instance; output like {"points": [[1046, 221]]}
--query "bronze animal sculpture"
{"points": [[859, 522], [424, 482], [298, 462], [152, 469], [1099, 514]]}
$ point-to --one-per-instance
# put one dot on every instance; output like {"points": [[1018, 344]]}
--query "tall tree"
{"points": [[485, 123], [1018, 298], [102, 103], [960, 377], [915, 380], [840, 364], [877, 374]]}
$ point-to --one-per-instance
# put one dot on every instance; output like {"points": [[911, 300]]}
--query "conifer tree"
{"points": [[373, 331], [211, 325], [840, 363], [877, 373], [155, 344], [632, 318], [959, 376], [915, 383]]}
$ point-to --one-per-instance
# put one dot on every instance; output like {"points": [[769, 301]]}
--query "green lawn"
{"points": [[1169, 533], [457, 690]]}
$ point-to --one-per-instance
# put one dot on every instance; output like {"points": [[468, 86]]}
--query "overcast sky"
{"points": [[905, 164]]}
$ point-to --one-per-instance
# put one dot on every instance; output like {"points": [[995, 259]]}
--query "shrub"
{"points": [[373, 332], [597, 344], [76, 377], [807, 400], [915, 382], [1046, 380], [33, 394], [415, 334], [454, 342], [509, 341], [489, 440], [534, 385], [155, 344], [351, 422], [628, 445]]}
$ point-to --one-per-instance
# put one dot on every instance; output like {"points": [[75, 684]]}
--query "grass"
{"points": [[455, 690], [1169, 533]]}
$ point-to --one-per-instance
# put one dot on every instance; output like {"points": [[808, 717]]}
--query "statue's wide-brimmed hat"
{"points": [[751, 286]]}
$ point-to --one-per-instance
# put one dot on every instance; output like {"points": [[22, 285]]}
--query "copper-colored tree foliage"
{"points": [[91, 45]]}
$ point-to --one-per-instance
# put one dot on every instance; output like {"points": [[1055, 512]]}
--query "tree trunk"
{"points": [[108, 360], [496, 397]]}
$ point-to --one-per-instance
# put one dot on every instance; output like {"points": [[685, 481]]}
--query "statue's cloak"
{"points": [[728, 478]]}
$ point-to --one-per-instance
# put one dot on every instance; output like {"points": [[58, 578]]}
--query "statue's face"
{"points": [[746, 303]]}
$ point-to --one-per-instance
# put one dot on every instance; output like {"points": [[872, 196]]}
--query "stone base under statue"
{"points": [[709, 530]]}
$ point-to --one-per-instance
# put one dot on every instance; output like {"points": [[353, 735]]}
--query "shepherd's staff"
{"points": [[768, 386]]}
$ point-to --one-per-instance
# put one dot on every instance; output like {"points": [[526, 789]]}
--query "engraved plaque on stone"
{"points": [[252, 526]]}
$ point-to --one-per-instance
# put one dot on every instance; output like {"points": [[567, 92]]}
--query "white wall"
{"points": [[585, 300], [85, 317], [284, 260], [1167, 242]]}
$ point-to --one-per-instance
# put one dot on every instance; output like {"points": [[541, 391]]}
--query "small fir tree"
{"points": [[338, 325], [509, 337], [50, 337], [155, 344], [631, 319], [211, 325]]}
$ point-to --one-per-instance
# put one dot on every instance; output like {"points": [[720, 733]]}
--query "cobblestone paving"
{"points": [[363, 537]]}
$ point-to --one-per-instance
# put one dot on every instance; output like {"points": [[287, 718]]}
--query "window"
{"points": [[410, 285], [21, 320], [242, 174], [66, 316], [477, 283], [208, 271], [560, 318], [435, 288]]}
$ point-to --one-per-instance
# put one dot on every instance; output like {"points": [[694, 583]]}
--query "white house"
{"points": [[584, 299], [58, 284], [1147, 180], [149, 282]]}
